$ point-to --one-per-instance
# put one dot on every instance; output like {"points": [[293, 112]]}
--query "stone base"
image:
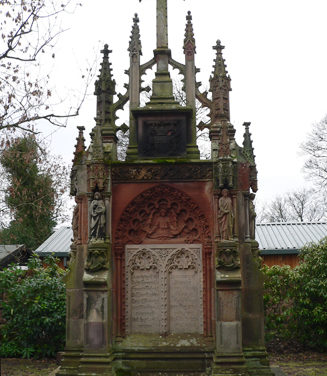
{"points": [[95, 364], [257, 362], [174, 355], [69, 363], [229, 364]]}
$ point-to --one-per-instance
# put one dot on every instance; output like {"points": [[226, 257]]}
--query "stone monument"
{"points": [[164, 276]]}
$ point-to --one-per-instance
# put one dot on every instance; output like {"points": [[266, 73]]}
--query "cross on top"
{"points": [[162, 24]]}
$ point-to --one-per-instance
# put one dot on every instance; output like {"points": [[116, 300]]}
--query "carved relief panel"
{"points": [[164, 289], [162, 213]]}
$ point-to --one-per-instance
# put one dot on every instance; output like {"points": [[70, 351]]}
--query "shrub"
{"points": [[278, 301], [33, 310], [296, 299], [310, 296]]}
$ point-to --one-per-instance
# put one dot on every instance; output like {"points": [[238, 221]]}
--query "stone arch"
{"points": [[162, 215]]}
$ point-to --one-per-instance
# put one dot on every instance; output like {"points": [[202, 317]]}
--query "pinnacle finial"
{"points": [[135, 46], [220, 85], [248, 150], [80, 145], [105, 81], [220, 66], [105, 90], [189, 41]]}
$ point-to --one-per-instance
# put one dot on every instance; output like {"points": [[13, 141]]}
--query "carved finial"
{"points": [[189, 41], [135, 46], [80, 146], [248, 150], [220, 86], [105, 90]]}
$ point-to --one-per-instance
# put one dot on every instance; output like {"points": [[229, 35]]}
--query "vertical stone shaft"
{"points": [[190, 70], [162, 24], [135, 52]]}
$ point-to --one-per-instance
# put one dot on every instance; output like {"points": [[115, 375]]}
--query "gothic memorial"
{"points": [[164, 276]]}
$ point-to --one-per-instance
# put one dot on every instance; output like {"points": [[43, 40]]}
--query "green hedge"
{"points": [[296, 299], [33, 310]]}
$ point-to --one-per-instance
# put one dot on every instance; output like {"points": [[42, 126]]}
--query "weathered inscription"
{"points": [[164, 289], [145, 316], [184, 316]]}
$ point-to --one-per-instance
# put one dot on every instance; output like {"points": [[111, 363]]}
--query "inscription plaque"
{"points": [[145, 302], [164, 289], [184, 312]]}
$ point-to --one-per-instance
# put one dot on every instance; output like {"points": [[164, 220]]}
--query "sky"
{"points": [[276, 55]]}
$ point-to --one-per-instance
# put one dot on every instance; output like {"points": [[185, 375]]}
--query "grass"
{"points": [[303, 364]]}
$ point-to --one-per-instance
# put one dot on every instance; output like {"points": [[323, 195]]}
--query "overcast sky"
{"points": [[276, 55]]}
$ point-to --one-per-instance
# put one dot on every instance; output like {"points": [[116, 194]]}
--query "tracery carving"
{"points": [[182, 259], [162, 213], [143, 260]]}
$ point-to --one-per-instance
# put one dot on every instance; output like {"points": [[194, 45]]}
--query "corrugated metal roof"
{"points": [[287, 237], [58, 243], [6, 250], [273, 238]]}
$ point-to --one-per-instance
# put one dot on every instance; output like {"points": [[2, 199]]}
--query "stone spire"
{"points": [[189, 41], [135, 46], [79, 147], [220, 86], [105, 91]]}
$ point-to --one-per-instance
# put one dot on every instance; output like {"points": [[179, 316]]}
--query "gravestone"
{"points": [[164, 276]]}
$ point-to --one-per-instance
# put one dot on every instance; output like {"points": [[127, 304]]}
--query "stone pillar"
{"points": [[228, 358], [252, 298], [97, 310]]}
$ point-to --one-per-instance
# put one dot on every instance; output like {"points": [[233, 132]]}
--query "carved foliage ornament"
{"points": [[162, 213], [152, 173]]}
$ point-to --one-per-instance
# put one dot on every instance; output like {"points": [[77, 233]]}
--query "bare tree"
{"points": [[316, 150], [29, 29], [300, 206]]}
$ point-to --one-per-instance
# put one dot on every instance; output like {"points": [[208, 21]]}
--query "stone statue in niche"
{"points": [[252, 216], [98, 218], [225, 216], [75, 224]]}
